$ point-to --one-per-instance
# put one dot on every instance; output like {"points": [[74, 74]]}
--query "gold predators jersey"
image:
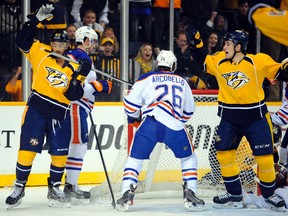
{"points": [[240, 85], [50, 81], [270, 21]]}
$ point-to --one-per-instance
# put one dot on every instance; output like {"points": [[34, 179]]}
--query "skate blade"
{"points": [[56, 204], [122, 207], [229, 205], [278, 209], [75, 201], [9, 207], [191, 208]]}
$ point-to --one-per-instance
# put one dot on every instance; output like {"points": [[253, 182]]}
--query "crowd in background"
{"points": [[199, 26]]}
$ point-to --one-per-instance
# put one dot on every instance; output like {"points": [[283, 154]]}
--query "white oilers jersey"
{"points": [[164, 95], [281, 116], [88, 99]]}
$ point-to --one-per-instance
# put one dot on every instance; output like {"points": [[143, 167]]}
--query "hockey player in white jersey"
{"points": [[163, 102], [281, 118], [86, 42]]}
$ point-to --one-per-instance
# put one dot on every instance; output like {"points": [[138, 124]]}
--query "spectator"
{"points": [[14, 86], [10, 20], [109, 32], [161, 15], [240, 22], [108, 63], [220, 27], [144, 62], [89, 19], [100, 7], [71, 29], [198, 11], [212, 44], [140, 19]]}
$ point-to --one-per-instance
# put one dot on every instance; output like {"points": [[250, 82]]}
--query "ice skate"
{"points": [[127, 199], [57, 198], [275, 203], [228, 201], [75, 195], [16, 196], [191, 202]]}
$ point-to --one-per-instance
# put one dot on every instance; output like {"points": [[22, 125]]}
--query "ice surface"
{"points": [[36, 203]]}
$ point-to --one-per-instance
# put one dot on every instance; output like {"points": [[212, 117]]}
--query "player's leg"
{"points": [[283, 153], [77, 151], [143, 143], [58, 137], [259, 135], [181, 145], [226, 144], [31, 141]]}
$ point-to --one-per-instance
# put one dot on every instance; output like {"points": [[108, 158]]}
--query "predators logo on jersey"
{"points": [[56, 78], [236, 79]]}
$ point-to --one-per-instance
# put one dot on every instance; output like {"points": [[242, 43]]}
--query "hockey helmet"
{"points": [[166, 58], [59, 36], [85, 32], [237, 37]]}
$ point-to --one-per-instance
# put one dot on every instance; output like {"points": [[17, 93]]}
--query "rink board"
{"points": [[109, 119]]}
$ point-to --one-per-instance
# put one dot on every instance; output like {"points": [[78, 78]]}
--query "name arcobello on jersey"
{"points": [[163, 78]]}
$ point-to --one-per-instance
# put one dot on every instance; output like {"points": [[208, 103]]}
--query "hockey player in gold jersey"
{"points": [[270, 21], [55, 83], [243, 112]]}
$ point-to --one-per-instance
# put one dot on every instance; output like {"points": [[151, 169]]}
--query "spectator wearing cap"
{"points": [[109, 32], [107, 46], [107, 62]]}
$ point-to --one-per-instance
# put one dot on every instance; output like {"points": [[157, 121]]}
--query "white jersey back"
{"points": [[164, 95]]}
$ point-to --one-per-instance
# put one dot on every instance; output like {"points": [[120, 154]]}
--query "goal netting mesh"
{"points": [[161, 175]]}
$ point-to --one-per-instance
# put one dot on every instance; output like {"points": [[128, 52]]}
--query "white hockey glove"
{"points": [[44, 12]]}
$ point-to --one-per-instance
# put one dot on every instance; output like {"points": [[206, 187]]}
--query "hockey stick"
{"points": [[102, 159], [97, 71]]}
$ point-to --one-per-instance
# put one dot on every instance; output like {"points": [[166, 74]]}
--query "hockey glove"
{"points": [[196, 83], [43, 13], [194, 39], [104, 86], [83, 70], [134, 121], [74, 91]]}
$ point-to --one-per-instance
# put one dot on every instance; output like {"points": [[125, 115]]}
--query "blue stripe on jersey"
{"points": [[132, 179], [132, 104], [134, 170], [73, 168], [75, 159]]}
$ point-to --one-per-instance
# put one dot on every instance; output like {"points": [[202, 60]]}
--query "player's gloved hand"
{"points": [[44, 12], [83, 70], [196, 83], [134, 121], [194, 39], [104, 86], [75, 90]]}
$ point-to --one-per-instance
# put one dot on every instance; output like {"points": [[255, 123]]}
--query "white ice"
{"points": [[35, 203]]}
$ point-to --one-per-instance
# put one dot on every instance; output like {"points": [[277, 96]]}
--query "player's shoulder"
{"points": [[77, 54]]}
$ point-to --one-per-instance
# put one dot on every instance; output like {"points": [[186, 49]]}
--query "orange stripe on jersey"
{"points": [[282, 115], [74, 163], [129, 108], [76, 124], [190, 174]]}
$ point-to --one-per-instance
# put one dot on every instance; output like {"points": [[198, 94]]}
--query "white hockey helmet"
{"points": [[166, 58], [85, 31]]}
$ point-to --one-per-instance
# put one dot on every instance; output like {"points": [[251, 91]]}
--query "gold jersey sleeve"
{"points": [[271, 22]]}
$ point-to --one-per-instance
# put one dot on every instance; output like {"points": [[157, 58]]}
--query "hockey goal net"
{"points": [[163, 171]]}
